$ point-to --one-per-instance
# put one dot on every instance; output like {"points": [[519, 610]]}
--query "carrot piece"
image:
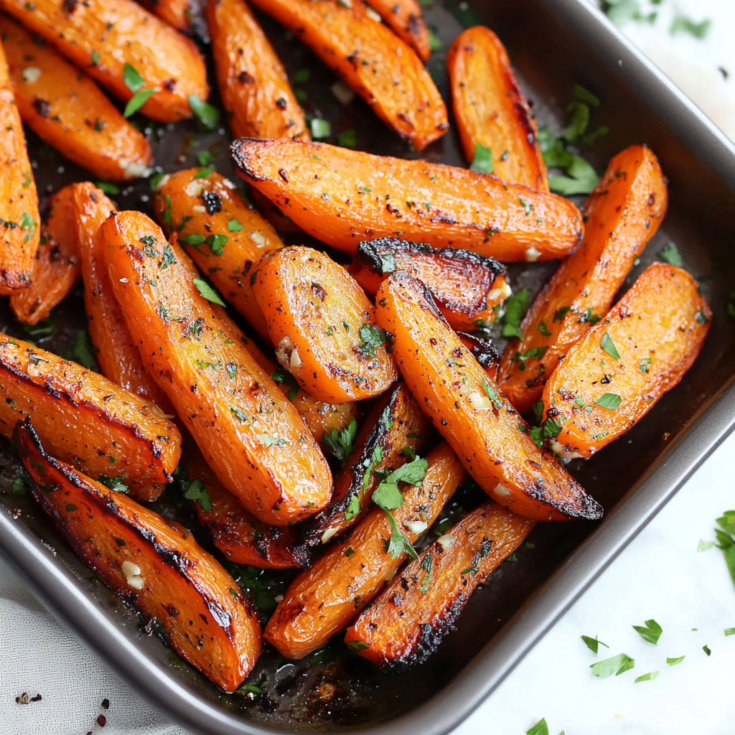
{"points": [[343, 197], [374, 62], [85, 419], [183, 15], [622, 214], [326, 598], [48, 90], [19, 216], [248, 431], [323, 325], [421, 605], [484, 351], [224, 235], [240, 536], [405, 19], [152, 564], [395, 424], [491, 109], [56, 269], [102, 37], [612, 378], [468, 288], [252, 81], [471, 412]]}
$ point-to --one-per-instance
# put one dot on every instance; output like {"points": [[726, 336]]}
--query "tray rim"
{"points": [[61, 593]]}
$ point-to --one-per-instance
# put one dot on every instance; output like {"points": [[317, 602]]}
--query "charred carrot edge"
{"points": [[102, 36], [151, 564], [252, 81], [468, 288], [421, 605], [369, 197], [374, 62], [322, 325], [484, 351], [326, 598], [249, 433], [622, 214], [405, 19], [18, 197], [643, 348], [470, 411], [48, 90], [491, 109], [395, 423], [56, 269], [183, 15]]}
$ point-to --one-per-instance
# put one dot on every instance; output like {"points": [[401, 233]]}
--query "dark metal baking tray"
{"points": [[554, 44]]}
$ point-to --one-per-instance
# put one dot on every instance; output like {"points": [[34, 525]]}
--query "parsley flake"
{"points": [[372, 338], [206, 115], [593, 643], [612, 666], [206, 291], [515, 308], [482, 161], [671, 255], [651, 632], [611, 401], [197, 490], [609, 346], [341, 441]]}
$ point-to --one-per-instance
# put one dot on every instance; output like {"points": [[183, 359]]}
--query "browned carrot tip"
{"points": [[405, 19]]}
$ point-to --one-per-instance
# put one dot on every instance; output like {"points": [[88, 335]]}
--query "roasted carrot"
{"points": [[468, 288], [124, 47], [374, 62], [325, 599], [484, 351], [252, 81], [471, 412], [19, 218], [491, 109], [241, 537], [69, 111], [421, 605], [85, 419], [343, 197], [184, 15], [612, 378], [323, 325], [394, 430], [248, 431], [405, 19], [152, 564], [622, 214], [56, 269], [224, 235]]}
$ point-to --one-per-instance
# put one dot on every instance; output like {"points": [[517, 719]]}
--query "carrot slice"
{"points": [[343, 197], [491, 109], [326, 598], [323, 326], [471, 412], [248, 431], [252, 81], [405, 19], [421, 605], [104, 37], [468, 288], [374, 62], [622, 214], [19, 218], [151, 564], [484, 351], [612, 378], [183, 15], [394, 430], [48, 90], [56, 269]]}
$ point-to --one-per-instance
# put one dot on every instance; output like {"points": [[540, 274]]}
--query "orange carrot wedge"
{"points": [[405, 19]]}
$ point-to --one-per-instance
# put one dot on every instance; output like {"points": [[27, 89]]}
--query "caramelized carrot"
{"points": [[323, 325], [326, 598], [491, 110], [249, 433], [405, 19], [19, 218], [343, 197], [56, 269], [183, 15], [104, 37], [374, 62], [484, 351], [471, 412], [622, 214], [252, 81], [612, 378], [421, 605], [152, 564], [69, 111], [468, 288]]}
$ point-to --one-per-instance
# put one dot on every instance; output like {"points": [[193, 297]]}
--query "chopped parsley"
{"points": [[682, 24], [609, 346], [675, 661], [648, 677], [283, 377], [115, 484], [42, 329], [269, 441], [559, 314], [234, 226], [593, 643], [521, 357], [612, 666], [208, 292], [726, 539], [205, 158], [372, 338], [610, 401], [107, 188], [319, 128], [483, 160], [206, 115], [197, 490], [644, 365], [341, 441], [540, 728], [651, 632], [20, 487], [544, 329], [515, 308], [347, 138], [706, 649], [82, 351], [671, 255]]}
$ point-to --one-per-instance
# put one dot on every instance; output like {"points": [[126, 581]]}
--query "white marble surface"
{"points": [[661, 575]]}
